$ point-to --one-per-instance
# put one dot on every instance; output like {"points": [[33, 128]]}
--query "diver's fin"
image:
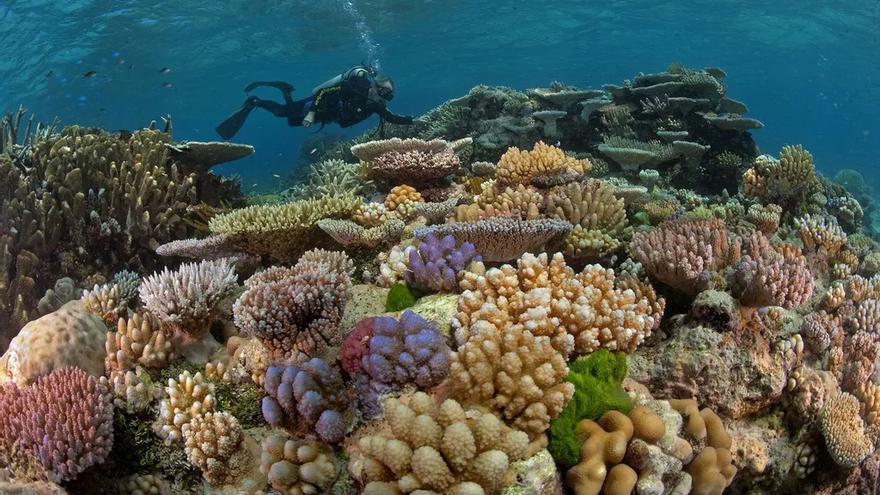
{"points": [[233, 123], [284, 87]]}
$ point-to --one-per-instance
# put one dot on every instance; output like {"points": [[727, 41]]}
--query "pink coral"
{"points": [[687, 255], [295, 312], [355, 346], [63, 424], [773, 277]]}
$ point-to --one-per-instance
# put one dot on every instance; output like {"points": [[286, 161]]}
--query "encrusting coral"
{"points": [[443, 448]]}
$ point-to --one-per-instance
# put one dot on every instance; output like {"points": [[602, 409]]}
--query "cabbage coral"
{"points": [[58, 427]]}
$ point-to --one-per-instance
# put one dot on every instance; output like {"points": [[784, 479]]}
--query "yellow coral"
{"points": [[522, 201], [188, 397], [298, 466], [846, 437], [214, 443], [402, 199], [518, 165], [598, 216], [138, 340], [437, 447]]}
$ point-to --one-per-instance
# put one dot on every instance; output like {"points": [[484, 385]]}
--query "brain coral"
{"points": [[405, 351], [310, 398], [579, 311], [61, 424], [70, 336], [295, 312], [442, 448]]}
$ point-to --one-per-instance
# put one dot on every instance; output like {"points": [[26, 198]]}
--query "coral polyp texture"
{"points": [[649, 306], [57, 427]]}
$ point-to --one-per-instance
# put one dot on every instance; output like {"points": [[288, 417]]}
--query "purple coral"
{"points": [[405, 351], [62, 423], [434, 265], [310, 398]]}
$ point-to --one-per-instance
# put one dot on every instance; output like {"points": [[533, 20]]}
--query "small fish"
{"points": [[558, 144], [314, 150], [164, 70], [91, 73], [254, 184], [168, 85], [51, 73], [276, 176], [120, 62]]}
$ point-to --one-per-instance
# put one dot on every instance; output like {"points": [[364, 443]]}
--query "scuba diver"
{"points": [[347, 99]]}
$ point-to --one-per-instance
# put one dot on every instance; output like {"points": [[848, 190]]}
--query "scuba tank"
{"points": [[335, 81]]}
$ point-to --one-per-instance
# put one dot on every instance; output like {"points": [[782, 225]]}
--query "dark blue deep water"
{"points": [[810, 70]]}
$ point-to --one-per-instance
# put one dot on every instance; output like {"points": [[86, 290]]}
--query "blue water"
{"points": [[809, 70]]}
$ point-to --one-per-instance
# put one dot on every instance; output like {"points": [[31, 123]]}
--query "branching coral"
{"points": [[435, 264], [687, 255], [213, 443], [60, 425], [443, 448], [137, 341], [500, 238], [522, 166], [282, 231], [186, 299], [309, 398], [332, 177], [188, 397], [513, 371], [765, 217], [298, 466], [578, 311], [786, 182], [599, 218], [522, 202], [295, 312], [821, 234], [132, 390], [772, 277], [402, 200], [403, 351]]}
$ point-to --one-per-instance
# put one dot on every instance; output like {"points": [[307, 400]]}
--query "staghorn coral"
{"points": [[513, 371], [578, 311], [599, 218], [351, 235], [295, 312], [137, 341], [68, 337], [500, 238], [309, 398], [186, 300], [298, 466], [435, 264], [214, 443], [518, 165], [687, 255], [57, 427], [282, 231], [409, 160], [404, 351], [188, 396], [443, 448], [846, 437]]}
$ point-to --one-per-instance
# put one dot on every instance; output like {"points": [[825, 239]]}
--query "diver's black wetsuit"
{"points": [[346, 102]]}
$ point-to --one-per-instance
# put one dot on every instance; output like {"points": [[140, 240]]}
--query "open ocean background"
{"points": [[809, 70]]}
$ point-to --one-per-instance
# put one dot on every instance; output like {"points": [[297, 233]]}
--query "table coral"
{"points": [[296, 312], [443, 448], [409, 160], [310, 398], [351, 235], [518, 165], [62, 424]]}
